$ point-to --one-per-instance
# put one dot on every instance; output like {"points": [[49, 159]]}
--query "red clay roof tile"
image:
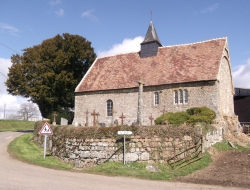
{"points": [[173, 64]]}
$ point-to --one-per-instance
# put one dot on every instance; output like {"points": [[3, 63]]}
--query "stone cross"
{"points": [[87, 118], [54, 114], [139, 114], [94, 114], [122, 117], [151, 119], [97, 115]]}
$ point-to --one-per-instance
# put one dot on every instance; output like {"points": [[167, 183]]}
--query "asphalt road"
{"points": [[16, 175]]}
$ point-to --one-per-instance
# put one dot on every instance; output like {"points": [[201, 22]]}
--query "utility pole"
{"points": [[4, 112]]}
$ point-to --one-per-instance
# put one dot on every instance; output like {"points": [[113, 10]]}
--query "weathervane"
{"points": [[151, 12]]}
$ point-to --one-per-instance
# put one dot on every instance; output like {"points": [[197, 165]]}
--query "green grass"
{"points": [[224, 146], [138, 170], [25, 150], [15, 125]]}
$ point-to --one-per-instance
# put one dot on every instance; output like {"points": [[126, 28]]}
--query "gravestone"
{"points": [[64, 121]]}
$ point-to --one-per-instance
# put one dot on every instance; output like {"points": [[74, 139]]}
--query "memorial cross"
{"points": [[151, 119], [122, 117], [94, 114]]}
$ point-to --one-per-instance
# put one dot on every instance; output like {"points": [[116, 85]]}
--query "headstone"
{"points": [[64, 121]]}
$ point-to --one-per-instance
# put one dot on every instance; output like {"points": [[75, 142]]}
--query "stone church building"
{"points": [[134, 87]]}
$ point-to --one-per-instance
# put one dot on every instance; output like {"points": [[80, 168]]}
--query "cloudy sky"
{"points": [[116, 27]]}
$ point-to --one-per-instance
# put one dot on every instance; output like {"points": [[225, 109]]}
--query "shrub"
{"points": [[192, 116]]}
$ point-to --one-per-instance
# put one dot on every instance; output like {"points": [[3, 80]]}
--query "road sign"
{"points": [[124, 132], [46, 130], [124, 144]]}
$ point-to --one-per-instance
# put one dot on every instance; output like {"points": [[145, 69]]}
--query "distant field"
{"points": [[15, 125]]}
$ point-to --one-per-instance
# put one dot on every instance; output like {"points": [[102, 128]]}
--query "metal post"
{"points": [[124, 147], [44, 149]]}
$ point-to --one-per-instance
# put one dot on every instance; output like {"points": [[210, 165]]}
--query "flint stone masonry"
{"points": [[125, 101], [89, 152]]}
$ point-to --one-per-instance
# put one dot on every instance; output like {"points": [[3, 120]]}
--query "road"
{"points": [[16, 175]]}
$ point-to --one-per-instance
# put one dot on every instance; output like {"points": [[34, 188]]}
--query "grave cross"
{"points": [[122, 117], [54, 114], [97, 115], [151, 119], [94, 114], [87, 118]]}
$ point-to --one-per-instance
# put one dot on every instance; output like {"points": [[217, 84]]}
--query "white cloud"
{"points": [[9, 29], [241, 76], [210, 9], [89, 14], [60, 12], [127, 46], [56, 2], [11, 103]]}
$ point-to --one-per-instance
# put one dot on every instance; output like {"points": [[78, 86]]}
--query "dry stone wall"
{"points": [[92, 151]]}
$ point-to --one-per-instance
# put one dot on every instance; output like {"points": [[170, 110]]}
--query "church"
{"points": [[136, 88]]}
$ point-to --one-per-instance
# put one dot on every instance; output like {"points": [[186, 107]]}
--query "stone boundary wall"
{"points": [[89, 152]]}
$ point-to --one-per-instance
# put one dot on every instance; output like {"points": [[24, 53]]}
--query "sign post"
{"points": [[46, 130], [124, 133]]}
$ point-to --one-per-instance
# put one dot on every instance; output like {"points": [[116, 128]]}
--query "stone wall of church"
{"points": [[126, 101], [225, 87]]}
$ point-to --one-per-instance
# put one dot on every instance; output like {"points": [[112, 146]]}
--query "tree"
{"points": [[48, 73], [27, 110]]}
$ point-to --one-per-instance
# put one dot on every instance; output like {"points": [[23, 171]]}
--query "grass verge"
{"points": [[224, 146], [15, 125], [25, 150], [139, 170]]}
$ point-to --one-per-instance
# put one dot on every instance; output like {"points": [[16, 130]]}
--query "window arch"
{"points": [[156, 98], [185, 96], [181, 96], [175, 97], [109, 108]]}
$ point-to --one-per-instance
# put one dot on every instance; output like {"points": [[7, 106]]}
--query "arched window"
{"points": [[175, 97], [156, 98], [109, 108], [185, 96], [181, 96]]}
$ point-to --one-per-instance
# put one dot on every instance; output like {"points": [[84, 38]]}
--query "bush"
{"points": [[192, 116]]}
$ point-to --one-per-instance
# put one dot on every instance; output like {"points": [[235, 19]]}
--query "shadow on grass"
{"points": [[25, 131]]}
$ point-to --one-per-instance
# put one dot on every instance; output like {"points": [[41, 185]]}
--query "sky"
{"points": [[116, 27]]}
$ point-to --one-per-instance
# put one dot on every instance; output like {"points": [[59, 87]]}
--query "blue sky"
{"points": [[117, 26]]}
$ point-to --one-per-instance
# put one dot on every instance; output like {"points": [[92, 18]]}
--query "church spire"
{"points": [[149, 46], [151, 35]]}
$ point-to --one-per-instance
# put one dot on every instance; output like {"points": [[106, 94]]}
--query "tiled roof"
{"points": [[173, 64]]}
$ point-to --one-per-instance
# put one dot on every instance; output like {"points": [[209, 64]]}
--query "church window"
{"points": [[109, 108], [181, 96], [185, 96], [176, 97], [156, 98]]}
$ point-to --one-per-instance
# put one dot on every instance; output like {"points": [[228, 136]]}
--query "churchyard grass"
{"points": [[25, 150], [15, 125]]}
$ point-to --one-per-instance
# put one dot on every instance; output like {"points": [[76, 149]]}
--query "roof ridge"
{"points": [[195, 42], [118, 54]]}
